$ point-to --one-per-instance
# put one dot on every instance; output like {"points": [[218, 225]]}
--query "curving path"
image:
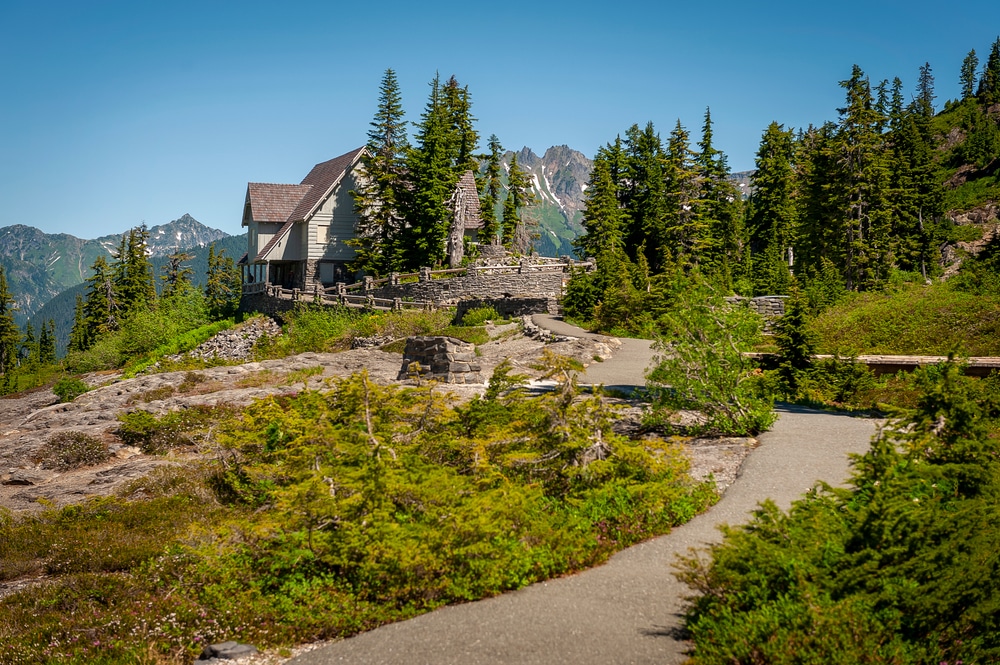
{"points": [[627, 610]]}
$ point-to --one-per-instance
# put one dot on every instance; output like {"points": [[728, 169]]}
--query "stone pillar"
{"points": [[394, 278], [397, 304], [369, 283], [425, 274]]}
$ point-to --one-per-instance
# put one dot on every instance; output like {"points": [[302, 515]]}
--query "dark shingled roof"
{"points": [[322, 179], [274, 203], [314, 188]]}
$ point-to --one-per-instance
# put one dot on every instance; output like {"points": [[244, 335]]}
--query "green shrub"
{"points": [[704, 367], [71, 450], [899, 568], [156, 435], [479, 315], [69, 388], [914, 320], [342, 511]]}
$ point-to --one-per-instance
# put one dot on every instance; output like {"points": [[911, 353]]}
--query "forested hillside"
{"points": [[39, 265], [889, 190]]}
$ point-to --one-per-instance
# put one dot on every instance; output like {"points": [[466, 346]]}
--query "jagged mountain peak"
{"points": [[40, 265]]}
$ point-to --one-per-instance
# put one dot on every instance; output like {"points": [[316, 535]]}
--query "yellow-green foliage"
{"points": [[339, 510], [901, 567], [324, 329], [915, 320]]}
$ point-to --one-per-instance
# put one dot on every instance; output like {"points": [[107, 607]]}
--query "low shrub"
{"points": [[479, 315], [900, 567], [72, 450], [155, 435], [913, 320], [69, 388]]}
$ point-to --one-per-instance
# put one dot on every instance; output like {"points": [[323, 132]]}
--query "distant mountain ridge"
{"points": [[40, 265], [558, 182]]}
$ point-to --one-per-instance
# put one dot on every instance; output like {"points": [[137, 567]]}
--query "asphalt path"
{"points": [[628, 610]]}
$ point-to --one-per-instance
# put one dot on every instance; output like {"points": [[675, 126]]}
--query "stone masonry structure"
{"points": [[443, 359], [770, 307], [547, 284]]}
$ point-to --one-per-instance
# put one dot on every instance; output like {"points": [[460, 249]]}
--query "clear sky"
{"points": [[116, 113]]}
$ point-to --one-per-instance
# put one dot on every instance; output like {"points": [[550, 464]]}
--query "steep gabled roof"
{"points": [[323, 178], [274, 203], [315, 187], [472, 215]]}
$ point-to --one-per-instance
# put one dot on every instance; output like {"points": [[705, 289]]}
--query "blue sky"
{"points": [[118, 113]]}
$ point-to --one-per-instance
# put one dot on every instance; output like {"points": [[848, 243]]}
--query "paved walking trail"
{"points": [[627, 610]]}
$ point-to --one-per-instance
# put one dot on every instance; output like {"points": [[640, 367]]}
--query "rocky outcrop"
{"points": [[237, 343]]}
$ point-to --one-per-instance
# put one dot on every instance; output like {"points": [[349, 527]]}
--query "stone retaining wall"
{"points": [[770, 307], [265, 304], [548, 285], [509, 308], [440, 358]]}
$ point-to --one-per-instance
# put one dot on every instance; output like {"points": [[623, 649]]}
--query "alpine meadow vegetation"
{"points": [[900, 567], [330, 512]]}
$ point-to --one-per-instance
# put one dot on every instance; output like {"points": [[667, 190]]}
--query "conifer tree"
{"points": [[970, 65], [176, 276], [9, 334], [78, 333], [431, 175], [491, 186], [101, 310], [28, 350], [380, 196], [925, 90], [518, 196], [47, 342], [222, 284], [719, 205], [134, 287], [862, 186], [466, 139], [644, 194], [685, 232], [771, 213], [989, 82], [817, 202], [603, 217]]}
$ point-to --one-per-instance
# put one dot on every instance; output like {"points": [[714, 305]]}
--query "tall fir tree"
{"points": [[28, 349], [771, 211], [380, 195], [686, 234], [222, 284], [47, 342], [720, 206], [491, 186], [862, 185], [603, 218], [176, 275], [970, 67], [434, 165], [644, 193], [518, 196], [78, 333], [101, 309], [132, 274], [989, 82], [462, 126], [925, 90], [9, 334]]}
